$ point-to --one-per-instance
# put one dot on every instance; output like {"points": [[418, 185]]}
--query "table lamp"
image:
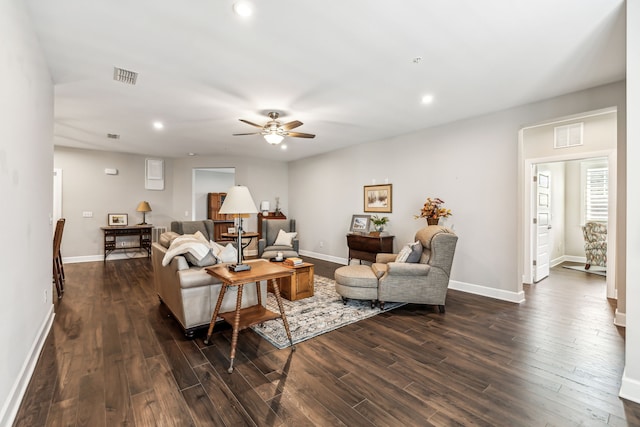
{"points": [[144, 208], [239, 204]]}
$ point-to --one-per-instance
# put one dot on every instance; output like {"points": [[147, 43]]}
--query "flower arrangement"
{"points": [[379, 222], [433, 209]]}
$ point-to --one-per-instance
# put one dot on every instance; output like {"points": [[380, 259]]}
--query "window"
{"points": [[596, 193]]}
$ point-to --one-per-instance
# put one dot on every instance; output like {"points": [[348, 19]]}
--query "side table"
{"points": [[299, 285], [243, 318]]}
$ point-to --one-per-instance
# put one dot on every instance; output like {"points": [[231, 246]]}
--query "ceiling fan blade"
{"points": [[250, 123], [291, 125], [252, 133], [301, 135]]}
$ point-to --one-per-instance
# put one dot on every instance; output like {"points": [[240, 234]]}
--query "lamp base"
{"points": [[239, 267]]}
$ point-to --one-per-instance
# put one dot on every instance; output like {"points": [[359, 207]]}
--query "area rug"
{"points": [[594, 269], [316, 315]]}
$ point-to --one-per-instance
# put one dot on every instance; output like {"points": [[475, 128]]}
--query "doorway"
{"points": [[537, 147], [209, 180]]}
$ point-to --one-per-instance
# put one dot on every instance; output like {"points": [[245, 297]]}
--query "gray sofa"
{"points": [[189, 292]]}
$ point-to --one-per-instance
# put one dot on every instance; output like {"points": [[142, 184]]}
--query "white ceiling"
{"points": [[343, 68]]}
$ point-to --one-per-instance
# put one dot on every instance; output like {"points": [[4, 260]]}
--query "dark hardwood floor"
{"points": [[113, 357]]}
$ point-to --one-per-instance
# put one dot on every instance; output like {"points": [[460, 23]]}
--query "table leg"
{"points": [[215, 313], [236, 326], [276, 291], [259, 292]]}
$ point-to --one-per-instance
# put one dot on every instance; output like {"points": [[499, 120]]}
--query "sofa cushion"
{"points": [[228, 254], [285, 239]]}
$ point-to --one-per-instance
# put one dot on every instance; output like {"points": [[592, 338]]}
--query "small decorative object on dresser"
{"points": [[117, 219], [360, 223], [378, 223]]}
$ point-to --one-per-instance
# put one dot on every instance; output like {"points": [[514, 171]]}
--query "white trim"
{"points": [[630, 388], [100, 257], [500, 294], [620, 319], [324, 257], [19, 388]]}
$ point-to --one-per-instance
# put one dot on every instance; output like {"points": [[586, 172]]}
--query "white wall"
{"points": [[631, 377], [26, 129], [472, 165], [209, 181], [86, 188]]}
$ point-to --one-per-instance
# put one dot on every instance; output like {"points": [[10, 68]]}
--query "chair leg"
{"points": [[587, 266], [381, 304], [441, 308]]}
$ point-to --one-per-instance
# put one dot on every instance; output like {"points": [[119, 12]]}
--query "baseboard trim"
{"points": [[12, 404], [515, 297], [100, 257], [620, 319], [324, 257], [630, 388]]}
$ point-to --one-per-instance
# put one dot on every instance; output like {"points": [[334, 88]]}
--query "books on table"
{"points": [[293, 261]]}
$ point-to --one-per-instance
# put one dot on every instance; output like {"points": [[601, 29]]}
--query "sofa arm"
{"points": [[262, 243], [296, 245], [407, 269], [385, 258]]}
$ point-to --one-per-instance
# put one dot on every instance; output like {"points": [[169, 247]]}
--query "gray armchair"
{"points": [[424, 282], [270, 228]]}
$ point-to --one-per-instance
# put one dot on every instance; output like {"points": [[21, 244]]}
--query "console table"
{"points": [[365, 247], [111, 234]]}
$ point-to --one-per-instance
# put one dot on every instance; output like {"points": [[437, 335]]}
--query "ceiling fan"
{"points": [[274, 131]]}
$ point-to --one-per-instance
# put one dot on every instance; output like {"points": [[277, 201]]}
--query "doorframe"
{"points": [[527, 226]]}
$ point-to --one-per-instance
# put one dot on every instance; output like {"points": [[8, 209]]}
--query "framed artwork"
{"points": [[377, 198], [117, 219], [360, 223]]}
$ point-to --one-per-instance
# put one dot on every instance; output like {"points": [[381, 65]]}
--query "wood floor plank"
{"points": [[113, 357]]}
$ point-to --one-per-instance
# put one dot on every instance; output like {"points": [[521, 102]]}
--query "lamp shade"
{"points": [[238, 201], [143, 207]]}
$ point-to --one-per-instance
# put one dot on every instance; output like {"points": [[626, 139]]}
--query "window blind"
{"points": [[597, 194]]}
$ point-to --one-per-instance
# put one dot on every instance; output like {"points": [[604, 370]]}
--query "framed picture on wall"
{"points": [[360, 223], [117, 219], [377, 198]]}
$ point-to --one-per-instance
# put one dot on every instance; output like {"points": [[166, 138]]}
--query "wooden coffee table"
{"points": [[243, 318], [299, 285]]}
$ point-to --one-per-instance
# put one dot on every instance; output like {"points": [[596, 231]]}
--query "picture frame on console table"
{"points": [[117, 220], [378, 198], [360, 223]]}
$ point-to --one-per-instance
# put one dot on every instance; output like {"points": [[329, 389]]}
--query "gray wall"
{"points": [[471, 164], [210, 181], [86, 187], [26, 131]]}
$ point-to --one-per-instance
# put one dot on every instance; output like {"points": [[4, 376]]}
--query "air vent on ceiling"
{"points": [[124, 76], [568, 135], [113, 136]]}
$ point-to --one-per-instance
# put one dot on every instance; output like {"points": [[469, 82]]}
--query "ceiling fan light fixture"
{"points": [[273, 138]]}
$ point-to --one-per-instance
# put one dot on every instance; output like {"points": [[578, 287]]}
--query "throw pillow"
{"points": [[209, 259], [285, 239], [416, 252], [228, 254], [403, 254]]}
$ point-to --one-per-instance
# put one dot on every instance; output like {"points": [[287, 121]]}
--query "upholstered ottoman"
{"points": [[357, 282]]}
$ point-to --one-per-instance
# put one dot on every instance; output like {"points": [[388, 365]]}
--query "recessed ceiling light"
{"points": [[191, 154], [427, 99], [283, 147], [158, 125], [243, 8]]}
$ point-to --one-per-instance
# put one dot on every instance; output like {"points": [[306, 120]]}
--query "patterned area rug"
{"points": [[321, 313]]}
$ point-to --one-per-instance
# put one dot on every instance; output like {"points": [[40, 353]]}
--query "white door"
{"points": [[542, 226]]}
